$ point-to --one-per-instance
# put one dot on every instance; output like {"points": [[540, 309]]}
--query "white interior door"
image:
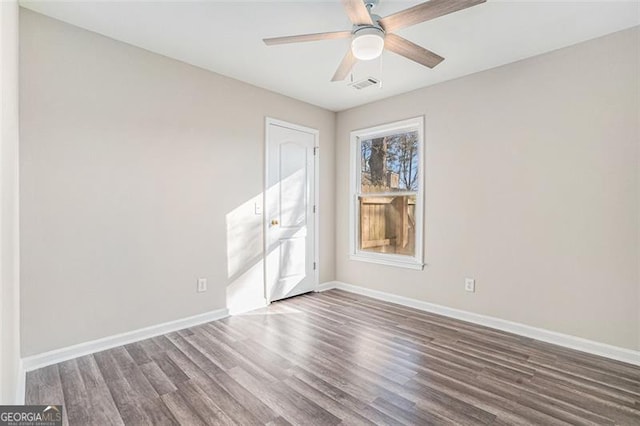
{"points": [[289, 210]]}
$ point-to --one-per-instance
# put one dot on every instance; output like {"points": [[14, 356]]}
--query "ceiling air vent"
{"points": [[362, 84]]}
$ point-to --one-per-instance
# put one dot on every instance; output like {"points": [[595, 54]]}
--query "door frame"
{"points": [[316, 197]]}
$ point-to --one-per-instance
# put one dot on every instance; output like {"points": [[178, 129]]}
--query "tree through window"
{"points": [[390, 163]]}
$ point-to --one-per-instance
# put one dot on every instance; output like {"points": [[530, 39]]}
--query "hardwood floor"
{"points": [[335, 357]]}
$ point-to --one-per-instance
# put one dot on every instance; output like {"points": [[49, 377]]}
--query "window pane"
{"points": [[388, 224], [389, 163]]}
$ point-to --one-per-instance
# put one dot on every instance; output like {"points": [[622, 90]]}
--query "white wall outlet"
{"points": [[470, 284], [257, 208], [202, 285]]}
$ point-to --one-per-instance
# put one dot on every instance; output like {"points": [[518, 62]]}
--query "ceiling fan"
{"points": [[371, 34]]}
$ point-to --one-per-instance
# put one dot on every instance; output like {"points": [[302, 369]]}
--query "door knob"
{"points": [[274, 222]]}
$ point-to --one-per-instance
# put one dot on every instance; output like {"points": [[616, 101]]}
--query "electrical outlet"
{"points": [[202, 285], [470, 285], [257, 209]]}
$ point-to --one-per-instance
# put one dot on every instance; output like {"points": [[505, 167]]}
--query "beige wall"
{"points": [[532, 188], [139, 175], [9, 251]]}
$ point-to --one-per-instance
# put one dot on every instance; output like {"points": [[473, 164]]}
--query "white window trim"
{"points": [[411, 262]]}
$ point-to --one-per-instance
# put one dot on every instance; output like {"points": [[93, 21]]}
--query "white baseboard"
{"points": [[565, 340], [327, 286], [58, 355], [53, 357], [251, 306]]}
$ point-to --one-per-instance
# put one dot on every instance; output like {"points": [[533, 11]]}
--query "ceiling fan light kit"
{"points": [[372, 34], [367, 43]]}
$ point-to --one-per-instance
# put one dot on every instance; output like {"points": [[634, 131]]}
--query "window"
{"points": [[387, 194]]}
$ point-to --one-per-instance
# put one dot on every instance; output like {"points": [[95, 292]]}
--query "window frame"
{"points": [[355, 191]]}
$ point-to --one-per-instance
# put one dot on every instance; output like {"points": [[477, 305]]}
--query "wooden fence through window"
{"points": [[387, 223]]}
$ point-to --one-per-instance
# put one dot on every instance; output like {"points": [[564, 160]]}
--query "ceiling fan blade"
{"points": [[345, 66], [424, 12], [357, 12], [306, 37], [404, 47]]}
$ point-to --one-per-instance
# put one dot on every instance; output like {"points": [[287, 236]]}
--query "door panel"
{"points": [[292, 257], [293, 184], [290, 218]]}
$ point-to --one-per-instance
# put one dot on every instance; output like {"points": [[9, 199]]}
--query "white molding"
{"points": [[257, 304], [34, 362], [411, 262], [589, 346], [21, 384], [380, 259], [578, 343], [329, 285]]}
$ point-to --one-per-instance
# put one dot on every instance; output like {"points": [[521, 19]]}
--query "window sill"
{"points": [[388, 261]]}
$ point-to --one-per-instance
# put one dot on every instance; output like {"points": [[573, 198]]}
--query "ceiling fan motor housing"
{"points": [[367, 42]]}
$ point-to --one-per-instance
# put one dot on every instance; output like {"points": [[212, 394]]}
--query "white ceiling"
{"points": [[225, 37]]}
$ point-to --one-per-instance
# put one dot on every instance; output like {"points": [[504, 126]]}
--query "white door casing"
{"points": [[290, 212]]}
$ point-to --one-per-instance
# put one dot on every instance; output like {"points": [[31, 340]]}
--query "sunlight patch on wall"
{"points": [[245, 270]]}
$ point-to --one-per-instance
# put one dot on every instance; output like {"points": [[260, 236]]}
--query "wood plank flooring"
{"points": [[338, 358]]}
